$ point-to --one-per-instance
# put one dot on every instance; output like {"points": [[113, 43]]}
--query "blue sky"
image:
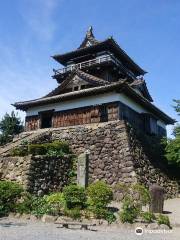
{"points": [[33, 30]]}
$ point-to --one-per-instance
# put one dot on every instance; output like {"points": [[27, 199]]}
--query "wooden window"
{"points": [[46, 118], [103, 113], [83, 86], [76, 88], [153, 125], [129, 115], [150, 124]]}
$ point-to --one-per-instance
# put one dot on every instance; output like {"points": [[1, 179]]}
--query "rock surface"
{"points": [[48, 219]]}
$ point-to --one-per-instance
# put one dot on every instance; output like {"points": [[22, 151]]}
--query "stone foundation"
{"points": [[117, 154], [38, 174]]}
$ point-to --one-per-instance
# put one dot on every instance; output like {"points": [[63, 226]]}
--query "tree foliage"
{"points": [[173, 145], [9, 126], [177, 106]]}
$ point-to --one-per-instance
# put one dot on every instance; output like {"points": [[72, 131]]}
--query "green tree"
{"points": [[173, 145], [10, 125], [177, 106]]}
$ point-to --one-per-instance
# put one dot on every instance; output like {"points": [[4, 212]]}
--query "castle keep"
{"points": [[98, 83]]}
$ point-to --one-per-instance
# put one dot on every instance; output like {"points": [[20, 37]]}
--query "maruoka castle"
{"points": [[102, 107], [99, 82]]}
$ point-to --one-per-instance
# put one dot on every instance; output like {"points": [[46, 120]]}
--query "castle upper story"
{"points": [[97, 82]]}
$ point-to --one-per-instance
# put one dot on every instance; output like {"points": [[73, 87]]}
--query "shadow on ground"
{"points": [[12, 224]]}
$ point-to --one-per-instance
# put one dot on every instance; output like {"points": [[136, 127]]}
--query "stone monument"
{"points": [[82, 169]]}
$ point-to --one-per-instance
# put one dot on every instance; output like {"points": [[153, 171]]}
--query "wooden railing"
{"points": [[95, 61]]}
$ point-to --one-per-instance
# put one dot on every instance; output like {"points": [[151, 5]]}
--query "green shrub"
{"points": [[19, 151], [99, 213], [74, 196], [37, 149], [143, 192], [54, 153], [148, 217], [99, 194], [59, 146], [10, 192], [74, 213], [25, 205], [56, 148], [129, 211], [161, 219], [40, 206], [110, 217], [55, 203], [52, 204]]}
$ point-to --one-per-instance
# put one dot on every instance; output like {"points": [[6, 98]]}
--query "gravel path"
{"points": [[16, 229]]}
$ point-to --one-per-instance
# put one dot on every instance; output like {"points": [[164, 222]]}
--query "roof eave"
{"points": [[167, 119], [118, 87], [59, 57]]}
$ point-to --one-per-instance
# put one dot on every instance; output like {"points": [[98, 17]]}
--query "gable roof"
{"points": [[93, 80], [141, 85]]}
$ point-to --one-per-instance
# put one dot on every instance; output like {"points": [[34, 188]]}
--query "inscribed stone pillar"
{"points": [[82, 169], [157, 199]]}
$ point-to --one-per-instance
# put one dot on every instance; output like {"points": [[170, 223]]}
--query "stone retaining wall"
{"points": [[108, 146], [116, 154], [15, 169], [38, 174]]}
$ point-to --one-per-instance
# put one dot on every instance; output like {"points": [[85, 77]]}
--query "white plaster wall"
{"points": [[90, 101], [161, 124], [130, 103], [87, 101], [75, 103]]}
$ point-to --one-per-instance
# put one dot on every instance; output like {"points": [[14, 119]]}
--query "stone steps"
{"points": [[30, 136]]}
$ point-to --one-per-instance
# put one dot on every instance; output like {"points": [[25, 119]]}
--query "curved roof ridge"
{"points": [[85, 76], [89, 39]]}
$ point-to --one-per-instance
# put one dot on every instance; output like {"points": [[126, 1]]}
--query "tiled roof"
{"points": [[120, 86], [142, 83], [89, 39], [93, 80], [137, 82], [65, 96], [108, 44]]}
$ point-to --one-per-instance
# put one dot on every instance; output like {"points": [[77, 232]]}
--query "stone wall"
{"points": [[15, 169], [149, 163], [48, 174], [38, 174], [116, 154], [108, 145]]}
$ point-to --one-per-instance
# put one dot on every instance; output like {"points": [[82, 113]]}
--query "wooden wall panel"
{"points": [[32, 123], [83, 116], [113, 112], [79, 116]]}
